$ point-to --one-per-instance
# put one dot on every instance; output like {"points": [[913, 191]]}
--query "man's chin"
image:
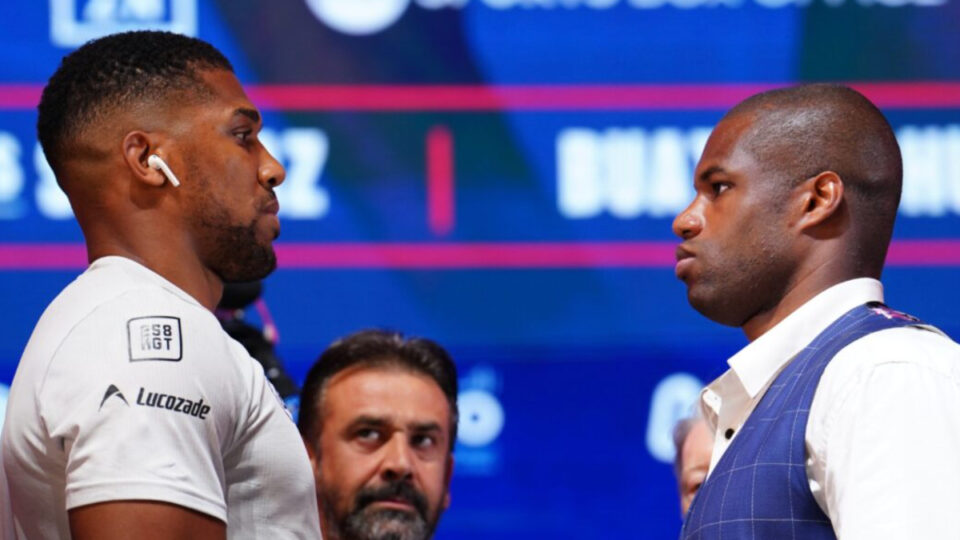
{"points": [[268, 235], [378, 521], [725, 313], [254, 267]]}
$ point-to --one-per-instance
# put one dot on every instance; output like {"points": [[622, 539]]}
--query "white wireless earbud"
{"points": [[159, 164]]}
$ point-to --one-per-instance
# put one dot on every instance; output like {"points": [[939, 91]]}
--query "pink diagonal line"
{"points": [[452, 256], [540, 97]]}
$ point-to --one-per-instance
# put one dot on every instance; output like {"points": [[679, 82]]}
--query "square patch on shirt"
{"points": [[154, 338]]}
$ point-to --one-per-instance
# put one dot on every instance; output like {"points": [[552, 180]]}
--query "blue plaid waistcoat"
{"points": [[759, 488]]}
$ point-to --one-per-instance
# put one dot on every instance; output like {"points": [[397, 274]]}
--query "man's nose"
{"points": [[271, 173], [688, 223], [397, 461]]}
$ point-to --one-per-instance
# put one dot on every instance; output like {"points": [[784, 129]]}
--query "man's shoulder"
{"points": [[120, 279], [906, 348], [110, 292], [919, 344], [110, 315]]}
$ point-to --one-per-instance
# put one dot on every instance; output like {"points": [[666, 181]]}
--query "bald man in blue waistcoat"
{"points": [[841, 418]]}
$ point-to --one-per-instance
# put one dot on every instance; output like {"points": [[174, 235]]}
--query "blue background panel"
{"points": [[571, 374]]}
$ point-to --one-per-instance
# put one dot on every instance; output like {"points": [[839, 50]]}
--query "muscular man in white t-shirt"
{"points": [[132, 414]]}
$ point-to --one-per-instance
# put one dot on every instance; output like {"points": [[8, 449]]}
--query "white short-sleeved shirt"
{"points": [[130, 390]]}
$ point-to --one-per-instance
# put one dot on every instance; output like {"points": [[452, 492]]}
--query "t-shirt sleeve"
{"points": [[138, 400]]}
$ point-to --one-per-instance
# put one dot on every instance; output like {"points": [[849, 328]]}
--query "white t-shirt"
{"points": [[130, 390]]}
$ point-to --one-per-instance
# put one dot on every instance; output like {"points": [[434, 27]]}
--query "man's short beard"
{"points": [[236, 254], [229, 250], [366, 522], [384, 524]]}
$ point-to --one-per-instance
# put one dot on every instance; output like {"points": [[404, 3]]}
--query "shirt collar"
{"points": [[757, 363]]}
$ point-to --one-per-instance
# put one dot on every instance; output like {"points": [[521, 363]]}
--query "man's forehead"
{"points": [[728, 140], [383, 388], [732, 129], [226, 95]]}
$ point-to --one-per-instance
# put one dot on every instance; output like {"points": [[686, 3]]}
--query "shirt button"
{"points": [[728, 433]]}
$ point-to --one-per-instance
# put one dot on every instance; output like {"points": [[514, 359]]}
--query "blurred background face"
{"points": [[695, 462], [382, 462]]}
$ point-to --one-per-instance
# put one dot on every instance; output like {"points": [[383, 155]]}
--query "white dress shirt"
{"points": [[883, 436]]}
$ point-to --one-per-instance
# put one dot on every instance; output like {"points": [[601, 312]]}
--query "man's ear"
{"points": [[137, 148], [821, 197]]}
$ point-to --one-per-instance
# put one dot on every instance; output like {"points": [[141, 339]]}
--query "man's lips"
{"points": [[396, 503], [271, 207], [268, 213], [397, 495], [684, 261]]}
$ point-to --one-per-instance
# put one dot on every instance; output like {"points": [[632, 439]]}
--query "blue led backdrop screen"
{"points": [[501, 176]]}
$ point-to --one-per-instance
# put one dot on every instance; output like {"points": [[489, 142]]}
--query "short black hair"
{"points": [[116, 71], [377, 348], [801, 131]]}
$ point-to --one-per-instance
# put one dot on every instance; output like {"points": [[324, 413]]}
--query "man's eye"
{"points": [[719, 187], [243, 136], [423, 441], [368, 435]]}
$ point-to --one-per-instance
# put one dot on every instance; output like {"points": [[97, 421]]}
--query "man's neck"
{"points": [[802, 289]]}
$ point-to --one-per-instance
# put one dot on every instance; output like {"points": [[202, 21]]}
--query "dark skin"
{"points": [[755, 249], [129, 209], [147, 520]]}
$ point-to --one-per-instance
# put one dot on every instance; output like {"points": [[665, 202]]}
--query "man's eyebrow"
{"points": [[380, 422], [252, 114], [367, 420], [421, 427], [710, 172]]}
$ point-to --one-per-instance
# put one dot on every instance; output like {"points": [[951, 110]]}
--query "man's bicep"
{"points": [[144, 520], [128, 428]]}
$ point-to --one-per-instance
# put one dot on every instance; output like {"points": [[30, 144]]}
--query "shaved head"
{"points": [[802, 131], [118, 72]]}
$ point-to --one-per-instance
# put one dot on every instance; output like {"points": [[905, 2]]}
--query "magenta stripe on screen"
{"points": [[42, 256], [545, 97], [542, 97], [924, 253], [464, 256], [477, 255], [20, 96], [440, 179]]}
